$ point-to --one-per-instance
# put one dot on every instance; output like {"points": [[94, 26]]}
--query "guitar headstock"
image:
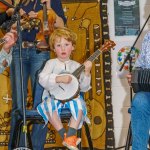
{"points": [[107, 45]]}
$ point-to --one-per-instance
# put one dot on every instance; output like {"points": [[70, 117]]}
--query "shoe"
{"points": [[71, 142], [77, 141]]}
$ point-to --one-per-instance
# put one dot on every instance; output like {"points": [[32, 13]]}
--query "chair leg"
{"points": [[18, 132], [88, 135], [79, 135], [29, 135], [149, 143], [129, 136]]}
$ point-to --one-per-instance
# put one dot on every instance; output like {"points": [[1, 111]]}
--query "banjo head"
{"points": [[65, 92]]}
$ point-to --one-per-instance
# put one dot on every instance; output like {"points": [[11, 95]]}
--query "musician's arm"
{"points": [[57, 7], [85, 78], [85, 82], [59, 22], [6, 52], [47, 78], [5, 59], [144, 56]]}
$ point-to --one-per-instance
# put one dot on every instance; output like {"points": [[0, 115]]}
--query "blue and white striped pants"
{"points": [[50, 105]]}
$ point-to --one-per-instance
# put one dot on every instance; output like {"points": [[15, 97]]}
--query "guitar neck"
{"points": [[45, 20], [44, 12], [78, 71]]}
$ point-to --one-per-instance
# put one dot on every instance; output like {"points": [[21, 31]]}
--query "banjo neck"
{"points": [[78, 71], [105, 47]]}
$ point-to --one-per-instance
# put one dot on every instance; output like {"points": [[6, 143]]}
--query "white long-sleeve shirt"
{"points": [[54, 67]]}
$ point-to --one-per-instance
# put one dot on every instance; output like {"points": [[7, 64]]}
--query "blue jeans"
{"points": [[140, 120], [32, 62]]}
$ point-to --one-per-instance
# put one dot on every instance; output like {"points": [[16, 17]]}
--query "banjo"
{"points": [[66, 92]]}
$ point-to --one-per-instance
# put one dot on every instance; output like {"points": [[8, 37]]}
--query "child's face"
{"points": [[63, 48]]}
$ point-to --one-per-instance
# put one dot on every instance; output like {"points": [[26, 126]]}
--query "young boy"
{"points": [[63, 42]]}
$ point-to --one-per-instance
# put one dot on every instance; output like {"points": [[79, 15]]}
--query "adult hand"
{"points": [[32, 14], [129, 78], [10, 11], [10, 40], [22, 12]]}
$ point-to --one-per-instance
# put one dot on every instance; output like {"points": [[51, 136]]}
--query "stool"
{"points": [[129, 135], [32, 117]]}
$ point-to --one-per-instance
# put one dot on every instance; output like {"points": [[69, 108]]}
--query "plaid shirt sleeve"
{"points": [[4, 55]]}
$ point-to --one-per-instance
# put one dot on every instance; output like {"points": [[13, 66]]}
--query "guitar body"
{"points": [[4, 7], [47, 18], [66, 92]]}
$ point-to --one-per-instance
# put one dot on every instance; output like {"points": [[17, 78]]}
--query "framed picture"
{"points": [[127, 18]]}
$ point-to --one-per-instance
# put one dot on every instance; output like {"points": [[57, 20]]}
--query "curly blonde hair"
{"points": [[64, 32]]}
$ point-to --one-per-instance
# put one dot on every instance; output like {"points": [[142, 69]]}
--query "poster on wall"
{"points": [[127, 20]]}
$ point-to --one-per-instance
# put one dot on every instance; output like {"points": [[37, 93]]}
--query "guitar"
{"points": [[66, 92], [47, 18]]}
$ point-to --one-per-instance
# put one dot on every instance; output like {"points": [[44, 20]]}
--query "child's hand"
{"points": [[63, 79], [88, 66]]}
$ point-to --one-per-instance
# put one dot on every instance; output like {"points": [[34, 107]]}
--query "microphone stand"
{"points": [[17, 15], [129, 58]]}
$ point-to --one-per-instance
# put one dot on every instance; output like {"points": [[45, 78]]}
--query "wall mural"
{"points": [[88, 18]]}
